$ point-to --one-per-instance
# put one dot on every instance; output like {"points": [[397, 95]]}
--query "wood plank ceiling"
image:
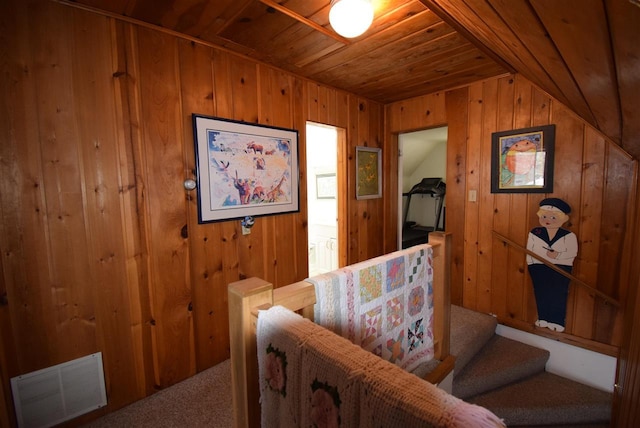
{"points": [[585, 53]]}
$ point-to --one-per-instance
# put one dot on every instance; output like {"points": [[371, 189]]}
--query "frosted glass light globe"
{"points": [[351, 18]]}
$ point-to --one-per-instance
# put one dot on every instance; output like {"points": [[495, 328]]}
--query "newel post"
{"points": [[243, 296], [441, 292]]}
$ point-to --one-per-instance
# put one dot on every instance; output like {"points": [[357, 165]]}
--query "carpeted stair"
{"points": [[509, 378]]}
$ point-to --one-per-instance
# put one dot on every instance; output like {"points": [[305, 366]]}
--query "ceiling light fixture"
{"points": [[351, 18]]}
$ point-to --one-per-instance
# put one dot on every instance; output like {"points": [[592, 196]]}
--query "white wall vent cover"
{"points": [[56, 394]]}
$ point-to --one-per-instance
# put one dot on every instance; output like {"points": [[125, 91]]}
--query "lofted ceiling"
{"points": [[585, 53]]}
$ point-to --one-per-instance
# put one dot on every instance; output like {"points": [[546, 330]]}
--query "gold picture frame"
{"points": [[368, 173]]}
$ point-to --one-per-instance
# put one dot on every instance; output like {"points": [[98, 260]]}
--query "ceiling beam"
{"points": [[305, 21], [444, 15]]}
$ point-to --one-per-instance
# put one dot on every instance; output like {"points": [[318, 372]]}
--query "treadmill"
{"points": [[412, 233]]}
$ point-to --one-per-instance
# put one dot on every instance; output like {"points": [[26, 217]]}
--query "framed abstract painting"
{"points": [[522, 160]]}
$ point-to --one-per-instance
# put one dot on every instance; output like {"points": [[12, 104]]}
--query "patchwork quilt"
{"points": [[384, 305]]}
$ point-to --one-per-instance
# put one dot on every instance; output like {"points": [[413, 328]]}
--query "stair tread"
{"points": [[550, 399], [500, 362], [470, 331]]}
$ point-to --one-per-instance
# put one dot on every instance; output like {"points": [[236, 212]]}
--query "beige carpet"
{"points": [[203, 400]]}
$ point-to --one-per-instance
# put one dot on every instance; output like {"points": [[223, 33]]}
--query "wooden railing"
{"points": [[578, 281]]}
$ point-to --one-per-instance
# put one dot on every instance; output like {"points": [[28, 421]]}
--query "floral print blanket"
{"points": [[384, 305], [311, 377]]}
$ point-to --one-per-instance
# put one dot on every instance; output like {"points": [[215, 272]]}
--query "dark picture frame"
{"points": [[522, 160], [368, 172], [244, 169]]}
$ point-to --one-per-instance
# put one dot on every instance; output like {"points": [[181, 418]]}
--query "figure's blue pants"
{"points": [[551, 290]]}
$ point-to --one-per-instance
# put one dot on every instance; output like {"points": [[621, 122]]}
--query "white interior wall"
{"points": [[578, 364], [422, 209]]}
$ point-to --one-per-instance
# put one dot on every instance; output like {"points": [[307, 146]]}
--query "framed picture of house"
{"points": [[522, 160], [244, 169], [368, 173]]}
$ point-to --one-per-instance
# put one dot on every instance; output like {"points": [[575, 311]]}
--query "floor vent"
{"points": [[56, 394]]}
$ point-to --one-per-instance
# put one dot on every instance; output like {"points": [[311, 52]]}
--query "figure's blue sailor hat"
{"points": [[556, 204]]}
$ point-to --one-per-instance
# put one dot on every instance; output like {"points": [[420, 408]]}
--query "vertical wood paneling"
{"points": [[225, 254], [323, 104], [101, 250], [23, 209], [376, 136], [96, 120], [353, 210], [390, 187], [626, 413], [489, 275], [484, 196], [238, 80], [540, 115], [628, 259], [471, 213], [312, 104], [134, 215], [362, 215], [299, 225], [611, 280], [15, 93], [99, 165], [569, 179], [518, 226], [569, 139], [457, 106], [275, 98], [423, 112], [281, 105], [64, 191], [332, 108], [208, 293], [501, 206], [343, 119], [269, 224], [586, 264], [163, 151]]}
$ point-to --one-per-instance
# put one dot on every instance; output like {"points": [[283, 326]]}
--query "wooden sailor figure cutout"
{"points": [[556, 245]]}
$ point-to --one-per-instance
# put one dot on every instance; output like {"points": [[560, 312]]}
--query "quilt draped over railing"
{"points": [[384, 305]]}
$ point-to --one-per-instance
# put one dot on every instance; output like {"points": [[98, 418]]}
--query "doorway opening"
{"points": [[324, 197], [421, 184]]}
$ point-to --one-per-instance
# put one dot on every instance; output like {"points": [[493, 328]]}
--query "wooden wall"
{"points": [[100, 246], [591, 173], [626, 412], [101, 250]]}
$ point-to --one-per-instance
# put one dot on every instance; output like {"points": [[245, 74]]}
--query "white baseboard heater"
{"points": [[47, 397]]}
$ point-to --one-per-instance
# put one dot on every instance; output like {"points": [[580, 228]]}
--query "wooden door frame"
{"points": [[342, 195]]}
